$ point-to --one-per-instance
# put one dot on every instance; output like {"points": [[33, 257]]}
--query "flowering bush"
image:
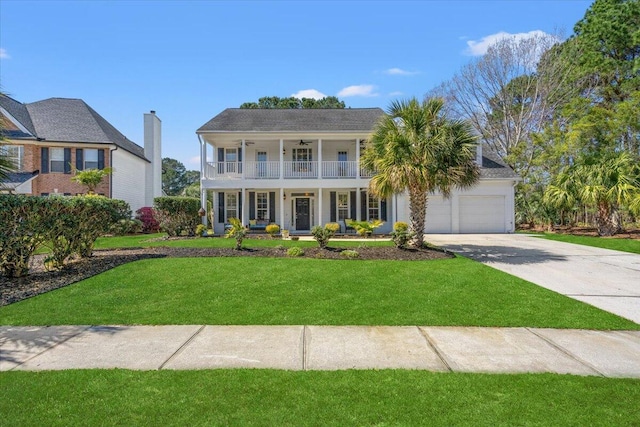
{"points": [[149, 222]]}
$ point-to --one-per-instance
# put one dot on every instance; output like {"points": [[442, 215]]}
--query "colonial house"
{"points": [[50, 139], [301, 167]]}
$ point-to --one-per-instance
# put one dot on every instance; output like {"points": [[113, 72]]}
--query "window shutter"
{"points": [[67, 160], [239, 154], [383, 209], [240, 205], [272, 206], [220, 207], [252, 205], [79, 159], [363, 206], [352, 204], [44, 160], [220, 154], [332, 198], [100, 159]]}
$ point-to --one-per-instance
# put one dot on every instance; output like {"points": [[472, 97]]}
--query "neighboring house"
{"points": [[300, 168], [49, 139]]}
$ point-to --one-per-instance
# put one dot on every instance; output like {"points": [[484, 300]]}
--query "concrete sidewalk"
{"points": [[457, 349]]}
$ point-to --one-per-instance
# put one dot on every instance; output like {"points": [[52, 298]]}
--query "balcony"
{"points": [[290, 170]]}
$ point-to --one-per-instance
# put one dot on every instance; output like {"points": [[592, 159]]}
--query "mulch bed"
{"points": [[40, 281]]}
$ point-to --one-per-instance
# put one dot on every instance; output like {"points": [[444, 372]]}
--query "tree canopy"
{"points": [[175, 177], [294, 103]]}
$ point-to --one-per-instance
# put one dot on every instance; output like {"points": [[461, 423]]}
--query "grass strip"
{"points": [[616, 244], [281, 291], [285, 398]]}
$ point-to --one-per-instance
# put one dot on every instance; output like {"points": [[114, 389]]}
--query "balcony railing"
{"points": [[290, 169]]}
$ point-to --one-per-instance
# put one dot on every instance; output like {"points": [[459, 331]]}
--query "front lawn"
{"points": [[342, 398], [624, 245], [282, 291]]}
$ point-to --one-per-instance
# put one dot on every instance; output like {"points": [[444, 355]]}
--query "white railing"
{"points": [[292, 170], [262, 170], [339, 169], [300, 169]]}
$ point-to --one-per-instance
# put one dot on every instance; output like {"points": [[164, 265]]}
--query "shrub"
{"points": [[237, 232], [201, 229], [148, 219], [21, 232], [323, 234], [126, 226], [272, 229], [350, 254], [365, 228], [401, 235], [177, 215], [295, 251]]}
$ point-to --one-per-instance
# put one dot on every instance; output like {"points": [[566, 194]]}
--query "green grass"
{"points": [[624, 245], [282, 291], [285, 398]]}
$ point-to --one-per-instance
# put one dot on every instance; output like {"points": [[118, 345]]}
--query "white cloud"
{"points": [[479, 47], [309, 93], [400, 72], [396, 93], [357, 90], [4, 54]]}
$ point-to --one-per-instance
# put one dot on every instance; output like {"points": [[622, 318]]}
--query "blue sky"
{"points": [[189, 60]]}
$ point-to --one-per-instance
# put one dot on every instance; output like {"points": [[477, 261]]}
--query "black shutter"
{"points": [[67, 160], [383, 209], [363, 206], [100, 159], [332, 203], [79, 159], [240, 205], [239, 160], [220, 155], [44, 160], [220, 207], [272, 206], [352, 202], [252, 205]]}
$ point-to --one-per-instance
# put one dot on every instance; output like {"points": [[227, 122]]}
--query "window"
{"points": [[302, 160], [90, 159], [15, 154], [342, 206], [262, 206], [342, 166], [56, 160], [373, 208], [261, 163], [231, 160], [231, 206]]}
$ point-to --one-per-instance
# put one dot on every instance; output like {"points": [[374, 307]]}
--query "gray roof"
{"points": [[69, 120], [19, 111], [14, 179], [494, 168], [293, 120]]}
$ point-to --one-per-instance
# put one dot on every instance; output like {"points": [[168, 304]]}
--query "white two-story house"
{"points": [[301, 167]]}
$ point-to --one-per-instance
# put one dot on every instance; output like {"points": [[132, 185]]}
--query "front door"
{"points": [[302, 213]]}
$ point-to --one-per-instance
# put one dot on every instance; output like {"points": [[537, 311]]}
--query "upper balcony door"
{"points": [[230, 161], [261, 164]]}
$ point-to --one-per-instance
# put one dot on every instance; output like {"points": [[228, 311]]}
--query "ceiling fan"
{"points": [[302, 142], [246, 143]]}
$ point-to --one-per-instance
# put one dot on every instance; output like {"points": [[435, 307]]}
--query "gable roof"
{"points": [[293, 120], [19, 112], [67, 120], [494, 168]]}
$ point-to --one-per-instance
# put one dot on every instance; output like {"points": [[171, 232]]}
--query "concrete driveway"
{"points": [[607, 279]]}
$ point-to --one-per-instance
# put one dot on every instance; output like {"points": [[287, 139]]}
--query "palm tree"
{"points": [[416, 148], [606, 181]]}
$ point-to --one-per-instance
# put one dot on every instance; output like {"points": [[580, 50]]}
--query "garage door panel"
{"points": [[438, 218], [482, 214]]}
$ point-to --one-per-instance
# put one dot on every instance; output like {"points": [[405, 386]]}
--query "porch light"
{"points": [[201, 212], [284, 197], [284, 151]]}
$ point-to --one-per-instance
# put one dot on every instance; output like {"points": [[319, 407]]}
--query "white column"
{"points": [[358, 204], [320, 206], [245, 202], [357, 158], [283, 226], [203, 205], [281, 158], [244, 156], [203, 159], [319, 158]]}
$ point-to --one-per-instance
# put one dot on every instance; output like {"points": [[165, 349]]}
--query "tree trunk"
{"points": [[607, 220], [418, 211]]}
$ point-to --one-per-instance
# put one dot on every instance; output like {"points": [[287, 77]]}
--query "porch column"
{"points": [[203, 205], [203, 158], [283, 226], [358, 204], [320, 207], [320, 158], [357, 158], [241, 163], [281, 159], [245, 219]]}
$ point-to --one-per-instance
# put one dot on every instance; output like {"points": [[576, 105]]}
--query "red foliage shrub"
{"points": [[146, 215]]}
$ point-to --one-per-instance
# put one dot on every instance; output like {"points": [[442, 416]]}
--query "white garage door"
{"points": [[438, 215], [482, 214]]}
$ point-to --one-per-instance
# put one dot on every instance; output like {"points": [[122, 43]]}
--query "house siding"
{"points": [[128, 179]]}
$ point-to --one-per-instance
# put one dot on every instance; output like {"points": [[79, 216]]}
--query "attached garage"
{"points": [[438, 218], [482, 214]]}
